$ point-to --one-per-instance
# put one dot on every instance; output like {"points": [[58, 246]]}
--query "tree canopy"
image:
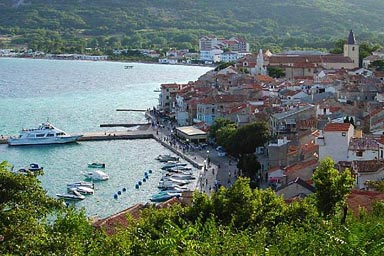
{"points": [[332, 187]]}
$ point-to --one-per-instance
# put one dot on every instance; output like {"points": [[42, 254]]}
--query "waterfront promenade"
{"points": [[214, 170]]}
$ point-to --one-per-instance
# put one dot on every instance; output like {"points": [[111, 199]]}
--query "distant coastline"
{"points": [[109, 60]]}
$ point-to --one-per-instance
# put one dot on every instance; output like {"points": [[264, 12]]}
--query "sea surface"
{"points": [[78, 96]]}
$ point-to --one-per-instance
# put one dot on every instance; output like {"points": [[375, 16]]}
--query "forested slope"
{"points": [[57, 25]]}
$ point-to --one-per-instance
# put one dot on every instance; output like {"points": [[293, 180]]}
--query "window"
{"points": [[343, 134], [40, 135], [50, 135], [359, 153]]}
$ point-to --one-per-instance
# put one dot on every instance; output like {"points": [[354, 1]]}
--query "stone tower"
{"points": [[351, 49]]}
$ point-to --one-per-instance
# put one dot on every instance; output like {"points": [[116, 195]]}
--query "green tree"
{"points": [[33, 223], [219, 123], [248, 137], [276, 72], [249, 165], [332, 187], [225, 134], [377, 65]]}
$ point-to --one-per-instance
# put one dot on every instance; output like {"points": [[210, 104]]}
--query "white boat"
{"points": [[74, 195], [169, 185], [80, 184], [46, 133], [82, 190], [182, 176], [172, 164], [166, 158], [96, 175], [166, 183]]}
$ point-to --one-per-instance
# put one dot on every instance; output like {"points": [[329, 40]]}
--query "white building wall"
{"points": [[367, 155], [336, 145]]}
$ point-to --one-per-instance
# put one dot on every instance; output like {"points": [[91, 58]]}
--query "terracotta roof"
{"points": [[113, 223], [118, 221], [264, 78], [301, 165], [174, 85], [274, 168], [237, 108], [329, 58], [365, 166], [363, 199], [337, 127], [292, 150], [307, 148]]}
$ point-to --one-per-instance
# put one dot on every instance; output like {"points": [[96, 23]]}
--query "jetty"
{"points": [[122, 125], [132, 110]]}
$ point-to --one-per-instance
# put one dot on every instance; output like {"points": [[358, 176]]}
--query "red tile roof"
{"points": [[363, 199], [364, 166], [174, 85], [301, 165], [337, 127]]}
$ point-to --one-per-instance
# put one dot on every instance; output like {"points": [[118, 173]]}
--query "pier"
{"points": [[132, 110], [122, 125]]}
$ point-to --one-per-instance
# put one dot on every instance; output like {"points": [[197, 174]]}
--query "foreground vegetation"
{"points": [[72, 26], [235, 221]]}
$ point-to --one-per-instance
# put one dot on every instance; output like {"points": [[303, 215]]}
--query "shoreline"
{"points": [[114, 61]]}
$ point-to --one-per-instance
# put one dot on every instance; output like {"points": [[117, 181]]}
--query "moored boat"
{"points": [[74, 195], [35, 167], [46, 133], [172, 164], [80, 184], [82, 190], [161, 197], [96, 165], [166, 158], [96, 175]]}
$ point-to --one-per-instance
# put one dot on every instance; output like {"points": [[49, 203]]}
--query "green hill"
{"points": [[73, 25]]}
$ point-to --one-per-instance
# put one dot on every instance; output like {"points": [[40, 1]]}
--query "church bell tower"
{"points": [[351, 49]]}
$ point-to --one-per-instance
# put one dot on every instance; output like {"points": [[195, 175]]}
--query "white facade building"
{"points": [[334, 141]]}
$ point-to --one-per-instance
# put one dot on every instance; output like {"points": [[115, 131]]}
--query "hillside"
{"points": [[54, 25]]}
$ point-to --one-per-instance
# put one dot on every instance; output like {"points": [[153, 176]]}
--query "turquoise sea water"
{"points": [[78, 96]]}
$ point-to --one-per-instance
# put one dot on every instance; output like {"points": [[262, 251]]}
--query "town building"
{"points": [[334, 141]]}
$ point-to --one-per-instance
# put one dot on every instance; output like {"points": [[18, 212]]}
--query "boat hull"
{"points": [[42, 141]]}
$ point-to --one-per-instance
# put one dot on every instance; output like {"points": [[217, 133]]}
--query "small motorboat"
{"points": [[96, 165], [82, 190], [167, 183], [161, 197], [167, 158], [35, 167], [96, 175], [73, 195], [28, 170], [182, 176], [170, 186], [172, 164], [81, 184]]}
